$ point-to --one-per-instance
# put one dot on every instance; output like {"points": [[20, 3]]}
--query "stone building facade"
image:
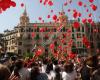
{"points": [[26, 35]]}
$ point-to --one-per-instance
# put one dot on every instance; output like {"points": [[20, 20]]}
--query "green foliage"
{"points": [[29, 55]]}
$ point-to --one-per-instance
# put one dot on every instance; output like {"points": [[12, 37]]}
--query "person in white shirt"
{"points": [[69, 73]]}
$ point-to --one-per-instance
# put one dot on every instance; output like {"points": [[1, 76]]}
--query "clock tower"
{"points": [[24, 19]]}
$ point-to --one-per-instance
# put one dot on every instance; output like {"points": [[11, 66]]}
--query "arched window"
{"points": [[19, 51], [29, 36]]}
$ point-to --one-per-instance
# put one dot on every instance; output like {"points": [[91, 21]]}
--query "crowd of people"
{"points": [[46, 69]]}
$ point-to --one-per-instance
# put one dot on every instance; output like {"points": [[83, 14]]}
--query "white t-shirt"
{"points": [[44, 68], [51, 75], [69, 76]]}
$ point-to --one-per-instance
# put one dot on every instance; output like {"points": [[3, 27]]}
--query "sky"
{"points": [[10, 18]]}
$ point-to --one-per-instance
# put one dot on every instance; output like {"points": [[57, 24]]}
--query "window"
{"points": [[83, 35], [73, 45], [72, 29], [73, 36], [98, 45], [12, 47], [79, 44], [22, 30], [34, 30], [12, 41], [29, 29], [45, 37], [98, 37], [20, 43], [78, 29], [91, 38], [37, 29], [9, 48], [19, 51], [83, 29], [29, 36], [92, 46], [84, 46], [6, 43], [91, 30], [54, 29], [88, 29], [78, 35]]}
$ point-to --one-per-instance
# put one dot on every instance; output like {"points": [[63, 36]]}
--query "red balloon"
{"points": [[70, 1], [65, 4], [40, 1], [74, 10], [0, 11], [84, 20], [5, 4], [90, 20], [75, 14], [33, 34], [39, 52], [86, 42], [85, 5], [40, 18], [34, 25], [87, 10], [52, 46], [22, 4], [90, 14], [95, 30], [69, 10], [94, 7], [72, 55], [50, 3], [80, 3], [51, 11], [92, 23], [13, 4], [45, 1], [54, 17], [42, 21], [79, 14], [91, 1], [41, 29], [76, 25], [60, 47], [48, 16]]}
